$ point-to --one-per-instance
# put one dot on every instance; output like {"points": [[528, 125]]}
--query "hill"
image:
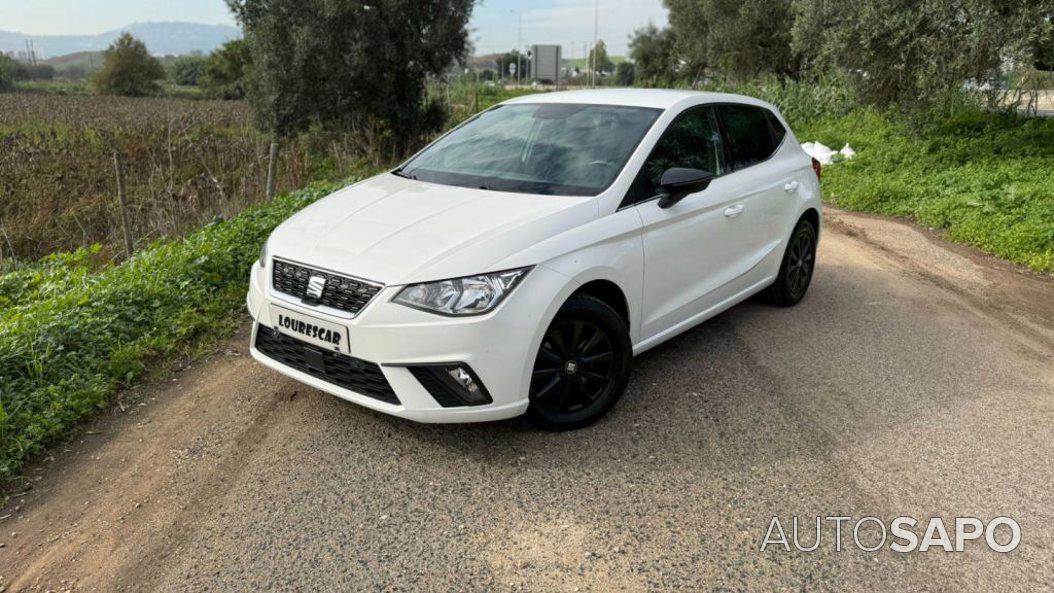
{"points": [[165, 38]]}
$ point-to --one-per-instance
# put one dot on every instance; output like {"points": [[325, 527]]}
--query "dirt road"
{"points": [[916, 379]]}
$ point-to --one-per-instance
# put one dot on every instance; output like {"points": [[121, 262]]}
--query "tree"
{"points": [[522, 61], [128, 69], [624, 73], [918, 54], [225, 74], [186, 70], [1043, 46], [598, 58], [7, 76], [349, 65], [687, 19], [653, 55], [738, 39]]}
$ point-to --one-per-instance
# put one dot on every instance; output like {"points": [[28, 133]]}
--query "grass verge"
{"points": [[988, 179], [73, 339]]}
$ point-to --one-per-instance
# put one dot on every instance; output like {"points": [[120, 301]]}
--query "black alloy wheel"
{"points": [[799, 261], [582, 365], [799, 266]]}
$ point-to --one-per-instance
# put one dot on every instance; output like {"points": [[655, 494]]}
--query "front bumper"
{"points": [[499, 347]]}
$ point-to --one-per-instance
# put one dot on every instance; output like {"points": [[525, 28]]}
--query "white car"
{"points": [[518, 263]]}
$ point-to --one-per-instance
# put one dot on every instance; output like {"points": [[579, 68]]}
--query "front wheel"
{"points": [[796, 269], [582, 367]]}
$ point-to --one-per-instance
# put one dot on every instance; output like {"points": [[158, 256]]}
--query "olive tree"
{"points": [[653, 55], [919, 53], [346, 65], [736, 39]]}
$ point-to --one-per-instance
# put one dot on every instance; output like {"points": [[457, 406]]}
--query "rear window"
{"points": [[750, 136], [778, 131]]}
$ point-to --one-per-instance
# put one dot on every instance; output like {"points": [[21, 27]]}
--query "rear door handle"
{"points": [[793, 185], [734, 211]]}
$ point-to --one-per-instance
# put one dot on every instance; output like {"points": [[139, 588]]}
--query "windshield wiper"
{"points": [[400, 173]]}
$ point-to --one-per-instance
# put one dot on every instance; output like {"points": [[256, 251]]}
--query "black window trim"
{"points": [[726, 146]]}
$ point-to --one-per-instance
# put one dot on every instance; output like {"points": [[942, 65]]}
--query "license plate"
{"points": [[319, 332]]}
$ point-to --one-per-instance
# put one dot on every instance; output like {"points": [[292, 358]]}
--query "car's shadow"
{"points": [[691, 396]]}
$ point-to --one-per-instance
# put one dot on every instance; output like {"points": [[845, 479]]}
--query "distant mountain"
{"points": [[160, 38]]}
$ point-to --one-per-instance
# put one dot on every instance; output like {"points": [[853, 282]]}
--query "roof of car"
{"points": [[655, 98]]}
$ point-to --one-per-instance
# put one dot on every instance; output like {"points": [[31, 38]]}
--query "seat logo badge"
{"points": [[314, 287]]}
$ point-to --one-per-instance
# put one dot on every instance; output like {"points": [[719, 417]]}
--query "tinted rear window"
{"points": [[749, 134]]}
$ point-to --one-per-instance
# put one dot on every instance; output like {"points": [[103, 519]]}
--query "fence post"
{"points": [[272, 166], [123, 206], [10, 248]]}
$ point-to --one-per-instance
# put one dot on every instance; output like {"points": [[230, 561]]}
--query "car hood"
{"points": [[394, 230]]}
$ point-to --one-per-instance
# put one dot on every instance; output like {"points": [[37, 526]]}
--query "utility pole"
{"points": [[593, 66]]}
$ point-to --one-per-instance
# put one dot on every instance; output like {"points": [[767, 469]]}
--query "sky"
{"points": [[494, 26]]}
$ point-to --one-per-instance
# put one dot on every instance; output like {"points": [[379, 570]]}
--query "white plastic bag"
{"points": [[819, 152]]}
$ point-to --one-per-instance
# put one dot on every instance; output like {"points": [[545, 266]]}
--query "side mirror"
{"points": [[678, 182]]}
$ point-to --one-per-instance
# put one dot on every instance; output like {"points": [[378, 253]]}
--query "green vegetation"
{"points": [[915, 56], [226, 71], [7, 73], [988, 179], [71, 337], [129, 70], [186, 70]]}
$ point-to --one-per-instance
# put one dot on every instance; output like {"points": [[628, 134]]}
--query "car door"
{"points": [[763, 184], [688, 247]]}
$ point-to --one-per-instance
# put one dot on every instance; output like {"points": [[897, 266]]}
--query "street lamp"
{"points": [[519, 42], [593, 66]]}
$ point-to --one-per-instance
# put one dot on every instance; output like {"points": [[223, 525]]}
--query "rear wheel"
{"points": [[582, 367], [795, 273]]}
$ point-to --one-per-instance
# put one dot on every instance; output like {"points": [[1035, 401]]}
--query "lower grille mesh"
{"points": [[341, 370]]}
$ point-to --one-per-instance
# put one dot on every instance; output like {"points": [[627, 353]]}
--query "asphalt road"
{"points": [[916, 379]]}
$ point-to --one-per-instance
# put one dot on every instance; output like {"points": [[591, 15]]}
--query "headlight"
{"points": [[263, 254], [472, 295]]}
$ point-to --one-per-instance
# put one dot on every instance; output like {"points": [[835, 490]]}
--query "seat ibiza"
{"points": [[518, 263]]}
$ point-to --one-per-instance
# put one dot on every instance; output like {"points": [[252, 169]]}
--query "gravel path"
{"points": [[915, 379]]}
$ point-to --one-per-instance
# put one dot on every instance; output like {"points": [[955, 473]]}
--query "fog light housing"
{"points": [[452, 385]]}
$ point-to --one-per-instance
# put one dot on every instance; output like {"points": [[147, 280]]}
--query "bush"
{"points": [[7, 73], [799, 100], [66, 350], [225, 72], [129, 69], [186, 70]]}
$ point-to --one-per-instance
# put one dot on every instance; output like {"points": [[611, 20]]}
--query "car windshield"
{"points": [[541, 148]]}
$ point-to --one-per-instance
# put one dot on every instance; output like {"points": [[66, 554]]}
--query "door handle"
{"points": [[793, 185], [733, 211]]}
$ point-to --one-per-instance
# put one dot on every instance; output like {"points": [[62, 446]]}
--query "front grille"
{"points": [[341, 370], [339, 292]]}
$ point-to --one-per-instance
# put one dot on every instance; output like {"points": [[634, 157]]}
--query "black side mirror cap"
{"points": [[678, 182]]}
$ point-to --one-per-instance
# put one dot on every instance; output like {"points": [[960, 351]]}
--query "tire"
{"points": [[799, 261], [582, 366]]}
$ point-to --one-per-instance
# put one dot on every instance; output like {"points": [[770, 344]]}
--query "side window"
{"points": [[692, 140], [748, 132], [778, 131]]}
